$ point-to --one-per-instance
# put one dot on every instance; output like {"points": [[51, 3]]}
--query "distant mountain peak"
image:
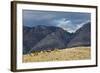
{"points": [[82, 37]]}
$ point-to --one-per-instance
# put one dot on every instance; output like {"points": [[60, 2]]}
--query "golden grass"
{"points": [[75, 53]]}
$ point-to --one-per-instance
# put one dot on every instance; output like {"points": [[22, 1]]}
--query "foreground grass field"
{"points": [[75, 53]]}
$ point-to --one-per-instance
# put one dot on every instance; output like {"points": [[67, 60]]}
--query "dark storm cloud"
{"points": [[69, 21]]}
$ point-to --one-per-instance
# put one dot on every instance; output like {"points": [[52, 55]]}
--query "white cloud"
{"points": [[69, 25], [66, 24], [80, 25]]}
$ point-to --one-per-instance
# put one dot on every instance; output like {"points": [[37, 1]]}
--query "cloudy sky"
{"points": [[70, 21]]}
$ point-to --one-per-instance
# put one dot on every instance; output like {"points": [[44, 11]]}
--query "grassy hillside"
{"points": [[75, 53]]}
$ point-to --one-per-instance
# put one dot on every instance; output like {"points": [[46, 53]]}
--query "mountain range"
{"points": [[43, 37]]}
